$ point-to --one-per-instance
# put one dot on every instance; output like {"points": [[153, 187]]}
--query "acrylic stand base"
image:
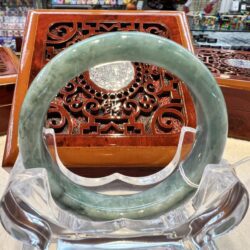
{"points": [[29, 213]]}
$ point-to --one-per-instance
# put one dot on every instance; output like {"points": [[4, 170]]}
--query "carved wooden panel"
{"points": [[230, 64], [149, 111], [232, 71], [151, 104], [63, 34]]}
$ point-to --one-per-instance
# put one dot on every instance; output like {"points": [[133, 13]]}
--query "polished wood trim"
{"points": [[234, 84], [141, 157], [11, 149], [10, 79]]}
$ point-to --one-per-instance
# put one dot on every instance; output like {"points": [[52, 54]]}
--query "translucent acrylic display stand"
{"points": [[29, 213]]}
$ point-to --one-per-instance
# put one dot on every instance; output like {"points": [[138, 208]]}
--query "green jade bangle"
{"points": [[210, 107]]}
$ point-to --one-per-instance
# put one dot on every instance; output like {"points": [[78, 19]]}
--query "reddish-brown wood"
{"points": [[235, 84], [4, 118], [107, 135], [8, 74], [238, 105], [218, 62], [8, 64]]}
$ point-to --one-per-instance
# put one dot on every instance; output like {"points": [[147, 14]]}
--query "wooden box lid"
{"points": [[231, 68]]}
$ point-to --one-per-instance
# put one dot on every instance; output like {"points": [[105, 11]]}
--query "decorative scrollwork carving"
{"points": [[229, 63], [62, 35], [101, 111], [168, 118], [146, 106]]}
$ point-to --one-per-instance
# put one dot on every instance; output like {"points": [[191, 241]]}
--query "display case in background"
{"points": [[222, 43], [220, 22], [87, 4], [22, 3], [223, 16], [13, 14], [12, 21]]}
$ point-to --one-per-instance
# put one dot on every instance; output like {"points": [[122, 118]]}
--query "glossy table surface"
{"points": [[237, 239]]}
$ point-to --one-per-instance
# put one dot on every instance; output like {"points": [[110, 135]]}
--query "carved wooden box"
{"points": [[137, 125], [8, 74], [231, 69]]}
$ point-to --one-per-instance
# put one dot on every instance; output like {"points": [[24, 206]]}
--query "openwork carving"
{"points": [[151, 104], [230, 63], [62, 35]]}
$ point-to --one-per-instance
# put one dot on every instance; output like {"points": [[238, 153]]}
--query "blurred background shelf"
{"points": [[87, 6]]}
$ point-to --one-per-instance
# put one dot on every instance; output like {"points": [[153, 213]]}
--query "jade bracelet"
{"points": [[212, 124]]}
